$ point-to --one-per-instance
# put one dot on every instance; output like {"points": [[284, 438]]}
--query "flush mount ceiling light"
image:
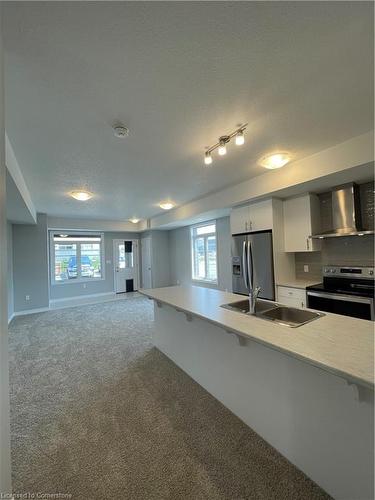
{"points": [[221, 145], [134, 220], [81, 195], [121, 131], [166, 205], [63, 235], [276, 160]]}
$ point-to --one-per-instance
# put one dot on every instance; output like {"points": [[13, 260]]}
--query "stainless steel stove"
{"points": [[345, 290]]}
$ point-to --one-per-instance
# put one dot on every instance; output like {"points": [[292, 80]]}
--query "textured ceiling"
{"points": [[178, 74]]}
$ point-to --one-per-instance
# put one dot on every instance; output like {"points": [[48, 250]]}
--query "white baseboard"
{"points": [[77, 300], [30, 311]]}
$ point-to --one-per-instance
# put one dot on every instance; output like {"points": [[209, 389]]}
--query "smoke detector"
{"points": [[121, 131]]}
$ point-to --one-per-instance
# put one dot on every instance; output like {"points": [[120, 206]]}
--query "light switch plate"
{"points": [[305, 268]]}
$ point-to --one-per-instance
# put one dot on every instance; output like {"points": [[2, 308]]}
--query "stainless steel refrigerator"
{"points": [[252, 264]]}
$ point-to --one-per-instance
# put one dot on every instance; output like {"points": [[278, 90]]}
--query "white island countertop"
{"points": [[341, 345]]}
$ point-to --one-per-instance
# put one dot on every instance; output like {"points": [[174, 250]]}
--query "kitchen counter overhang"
{"points": [[341, 345]]}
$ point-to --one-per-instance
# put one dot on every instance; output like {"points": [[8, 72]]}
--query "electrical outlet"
{"points": [[84, 285], [305, 268], [27, 297]]}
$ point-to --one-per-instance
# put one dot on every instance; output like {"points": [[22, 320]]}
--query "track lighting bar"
{"points": [[221, 146]]}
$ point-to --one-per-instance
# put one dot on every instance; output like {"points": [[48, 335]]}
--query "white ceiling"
{"points": [[178, 74]]}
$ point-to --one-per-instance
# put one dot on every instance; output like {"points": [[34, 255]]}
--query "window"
{"points": [[76, 257], [204, 253], [126, 257]]}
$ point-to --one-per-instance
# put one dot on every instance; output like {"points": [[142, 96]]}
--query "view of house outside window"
{"points": [[204, 253], [76, 257]]}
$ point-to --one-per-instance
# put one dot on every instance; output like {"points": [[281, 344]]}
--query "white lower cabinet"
{"points": [[293, 297]]}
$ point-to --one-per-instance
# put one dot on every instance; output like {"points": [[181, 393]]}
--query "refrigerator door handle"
{"points": [[244, 265], [250, 267]]}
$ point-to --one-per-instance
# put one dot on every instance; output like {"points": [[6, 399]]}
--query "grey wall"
{"points": [[180, 256], [10, 270], [160, 253], [5, 475], [106, 285], [343, 251], [30, 265]]}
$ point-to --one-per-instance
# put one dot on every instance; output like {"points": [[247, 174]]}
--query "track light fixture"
{"points": [[207, 158], [221, 145], [240, 138]]}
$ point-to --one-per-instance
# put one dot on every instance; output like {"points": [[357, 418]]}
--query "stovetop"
{"points": [[344, 290], [357, 281]]}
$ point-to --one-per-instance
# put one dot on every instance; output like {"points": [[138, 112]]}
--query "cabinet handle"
{"points": [[302, 305], [308, 243], [245, 226], [251, 225]]}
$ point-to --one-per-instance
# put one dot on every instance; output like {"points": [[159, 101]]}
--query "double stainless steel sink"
{"points": [[271, 311]]}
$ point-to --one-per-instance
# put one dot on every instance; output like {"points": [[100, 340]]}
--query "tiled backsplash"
{"points": [[342, 251], [311, 259], [354, 250]]}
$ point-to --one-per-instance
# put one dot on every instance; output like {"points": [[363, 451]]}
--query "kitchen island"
{"points": [[308, 391]]}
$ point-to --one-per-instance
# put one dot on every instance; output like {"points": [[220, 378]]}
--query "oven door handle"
{"points": [[344, 298]]}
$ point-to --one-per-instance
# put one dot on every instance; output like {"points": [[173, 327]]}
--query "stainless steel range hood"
{"points": [[346, 213]]}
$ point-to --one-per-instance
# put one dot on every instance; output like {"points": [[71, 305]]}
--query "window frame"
{"points": [[205, 237], [79, 278]]}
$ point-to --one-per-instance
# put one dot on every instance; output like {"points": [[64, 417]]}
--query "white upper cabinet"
{"points": [[301, 219], [260, 215], [255, 217], [239, 220]]}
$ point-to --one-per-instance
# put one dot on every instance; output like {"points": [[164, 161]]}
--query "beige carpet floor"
{"points": [[98, 413]]}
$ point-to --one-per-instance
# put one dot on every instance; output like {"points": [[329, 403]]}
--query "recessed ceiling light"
{"points": [[81, 195], [166, 205], [134, 220], [276, 160]]}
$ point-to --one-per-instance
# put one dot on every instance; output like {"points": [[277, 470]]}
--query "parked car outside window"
{"points": [[87, 269]]}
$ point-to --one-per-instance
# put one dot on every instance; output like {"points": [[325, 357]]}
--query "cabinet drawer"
{"points": [[291, 302], [295, 295]]}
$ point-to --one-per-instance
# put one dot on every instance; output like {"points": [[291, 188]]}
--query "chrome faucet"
{"points": [[253, 295]]}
